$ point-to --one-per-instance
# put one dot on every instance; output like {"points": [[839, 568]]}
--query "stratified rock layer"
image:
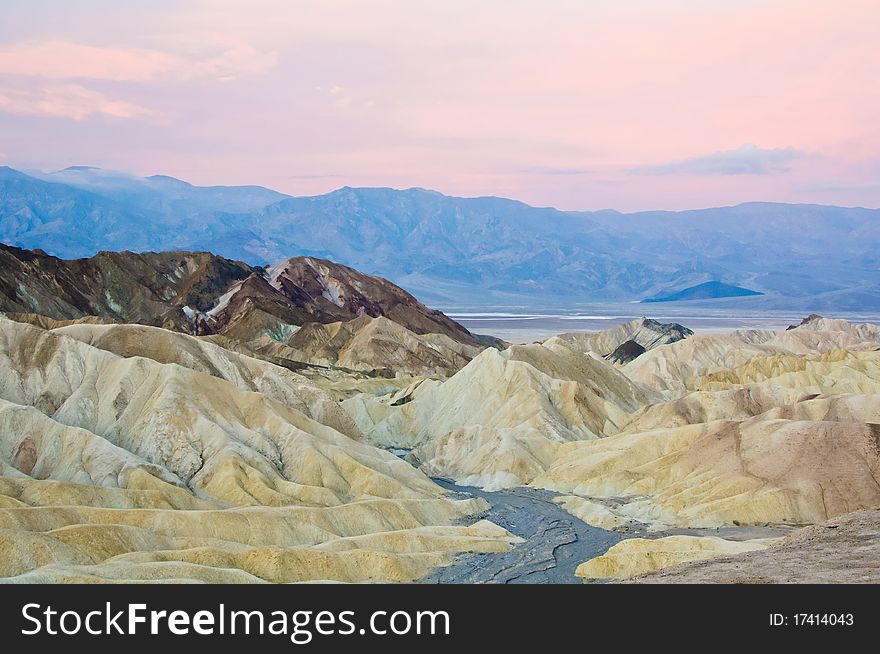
{"points": [[179, 461], [201, 293], [844, 550], [755, 428], [500, 420], [635, 556]]}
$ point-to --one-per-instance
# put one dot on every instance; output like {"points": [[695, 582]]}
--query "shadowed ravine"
{"points": [[555, 541]]}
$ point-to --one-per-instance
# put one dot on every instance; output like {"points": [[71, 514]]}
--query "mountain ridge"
{"points": [[201, 293], [450, 250]]}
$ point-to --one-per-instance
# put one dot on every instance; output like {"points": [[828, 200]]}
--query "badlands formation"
{"points": [[189, 447], [184, 417], [635, 556], [710, 431], [203, 466]]}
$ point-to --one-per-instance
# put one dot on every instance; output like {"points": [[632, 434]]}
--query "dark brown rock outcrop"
{"points": [[201, 293]]}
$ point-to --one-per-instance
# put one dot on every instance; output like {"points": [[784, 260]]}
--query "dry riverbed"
{"points": [[555, 541]]}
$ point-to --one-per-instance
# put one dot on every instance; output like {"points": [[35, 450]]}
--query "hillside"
{"points": [[465, 250], [268, 435], [705, 291], [201, 293]]}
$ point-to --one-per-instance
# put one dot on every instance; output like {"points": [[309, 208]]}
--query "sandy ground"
{"points": [[845, 549]]}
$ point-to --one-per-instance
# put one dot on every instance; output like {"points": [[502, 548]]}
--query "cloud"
{"points": [[49, 78], [68, 60], [342, 99], [747, 159], [69, 101]]}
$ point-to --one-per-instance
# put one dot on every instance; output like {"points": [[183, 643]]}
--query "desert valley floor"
{"points": [[184, 417]]}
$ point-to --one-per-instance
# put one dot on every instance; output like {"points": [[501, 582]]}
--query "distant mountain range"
{"points": [[466, 251]]}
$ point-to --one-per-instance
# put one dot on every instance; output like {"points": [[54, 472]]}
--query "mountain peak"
{"points": [[456, 250], [706, 291], [167, 179]]}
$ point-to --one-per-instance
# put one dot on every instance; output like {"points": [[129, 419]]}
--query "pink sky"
{"points": [[581, 105]]}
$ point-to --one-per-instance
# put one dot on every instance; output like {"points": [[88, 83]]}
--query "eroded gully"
{"points": [[555, 541]]}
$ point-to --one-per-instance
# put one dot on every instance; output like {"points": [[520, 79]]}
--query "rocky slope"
{"points": [[680, 367], [246, 373], [727, 472], [379, 344], [626, 352], [753, 431], [325, 287], [149, 288], [645, 333], [636, 556], [142, 468], [844, 550], [500, 420], [702, 431], [199, 293], [241, 431]]}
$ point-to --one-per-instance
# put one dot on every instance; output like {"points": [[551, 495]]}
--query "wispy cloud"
{"points": [[342, 98], [77, 61], [611, 105], [53, 78], [69, 101], [747, 159]]}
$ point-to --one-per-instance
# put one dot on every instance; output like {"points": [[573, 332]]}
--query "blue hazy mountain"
{"points": [[164, 194], [477, 251], [81, 210], [705, 291]]}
